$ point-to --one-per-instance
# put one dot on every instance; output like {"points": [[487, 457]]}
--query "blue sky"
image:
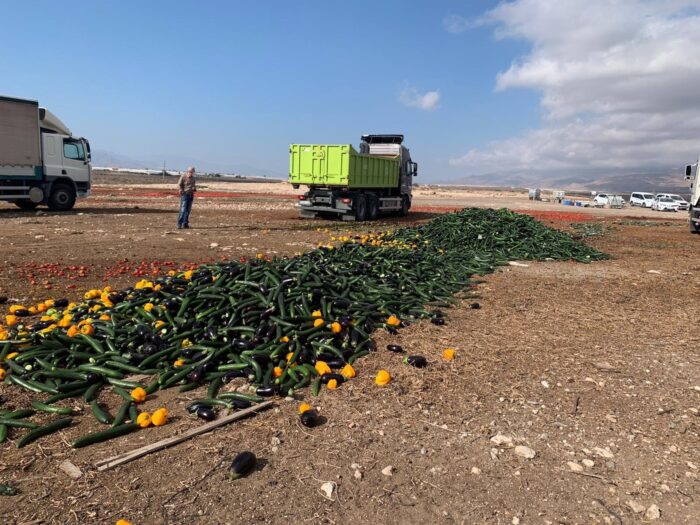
{"points": [[475, 86], [236, 82]]}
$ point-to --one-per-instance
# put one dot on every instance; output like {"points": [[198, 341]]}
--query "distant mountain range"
{"points": [[614, 183], [109, 159], [653, 182]]}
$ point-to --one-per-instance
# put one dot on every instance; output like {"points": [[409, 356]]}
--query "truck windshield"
{"points": [[73, 149]]}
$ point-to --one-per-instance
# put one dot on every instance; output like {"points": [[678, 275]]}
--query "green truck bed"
{"points": [[340, 165]]}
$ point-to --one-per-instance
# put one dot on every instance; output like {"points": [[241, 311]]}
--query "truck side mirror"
{"points": [[415, 169], [688, 171]]}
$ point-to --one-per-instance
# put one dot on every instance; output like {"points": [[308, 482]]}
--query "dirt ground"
{"points": [[594, 368]]}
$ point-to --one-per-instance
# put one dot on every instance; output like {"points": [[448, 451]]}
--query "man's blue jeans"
{"points": [[185, 208]]}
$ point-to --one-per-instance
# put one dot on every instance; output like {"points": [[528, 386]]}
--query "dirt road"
{"points": [[574, 397]]}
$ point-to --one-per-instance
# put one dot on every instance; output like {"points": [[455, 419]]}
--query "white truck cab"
{"points": [[40, 160], [691, 174]]}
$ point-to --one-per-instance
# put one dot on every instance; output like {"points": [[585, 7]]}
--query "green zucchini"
{"points": [[50, 428], [104, 435], [100, 413], [43, 407]]}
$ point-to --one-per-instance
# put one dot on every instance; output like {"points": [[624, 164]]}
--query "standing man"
{"points": [[188, 188]]}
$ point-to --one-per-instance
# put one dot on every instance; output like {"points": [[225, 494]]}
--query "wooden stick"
{"points": [[112, 462]]}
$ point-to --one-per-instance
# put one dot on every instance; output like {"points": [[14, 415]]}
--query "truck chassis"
{"points": [[351, 205]]}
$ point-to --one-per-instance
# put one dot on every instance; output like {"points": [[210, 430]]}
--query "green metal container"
{"points": [[340, 165]]}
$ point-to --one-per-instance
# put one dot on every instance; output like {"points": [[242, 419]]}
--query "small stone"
{"points": [[524, 452], [70, 469], [611, 418], [357, 475], [388, 470], [665, 488], [354, 466], [657, 272], [476, 471], [381, 433], [423, 451], [500, 439], [574, 467], [588, 463], [275, 441], [274, 450], [516, 520], [653, 513], [636, 506], [691, 465], [604, 452], [327, 489], [214, 245], [545, 384], [494, 453]]}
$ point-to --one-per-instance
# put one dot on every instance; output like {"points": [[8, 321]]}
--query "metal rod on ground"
{"points": [[112, 462]]}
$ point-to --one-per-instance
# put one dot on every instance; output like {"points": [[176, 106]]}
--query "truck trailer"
{"points": [[691, 174], [353, 185], [40, 160]]}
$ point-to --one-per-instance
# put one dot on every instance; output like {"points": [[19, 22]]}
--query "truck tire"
{"points": [[360, 208], [694, 226], [372, 207], [26, 205], [62, 197], [405, 205]]}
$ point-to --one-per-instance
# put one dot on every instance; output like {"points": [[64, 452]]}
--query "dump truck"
{"points": [[40, 160], [691, 174], [352, 185]]}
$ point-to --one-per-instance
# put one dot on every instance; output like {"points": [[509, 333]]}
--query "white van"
{"points": [[645, 200]]}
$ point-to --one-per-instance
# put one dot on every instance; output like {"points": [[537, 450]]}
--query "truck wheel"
{"points": [[372, 208], [405, 205], [62, 198], [26, 205], [360, 208], [694, 226]]}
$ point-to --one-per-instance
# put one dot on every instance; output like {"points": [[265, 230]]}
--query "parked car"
{"points": [[664, 204], [645, 200], [601, 199], [682, 203]]}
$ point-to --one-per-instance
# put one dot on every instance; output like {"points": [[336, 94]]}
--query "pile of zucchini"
{"points": [[253, 319]]}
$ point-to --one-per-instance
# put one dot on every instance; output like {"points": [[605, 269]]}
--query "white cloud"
{"points": [[413, 98], [456, 24], [618, 83]]}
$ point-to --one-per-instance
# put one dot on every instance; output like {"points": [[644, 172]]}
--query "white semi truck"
{"points": [[691, 174], [40, 160]]}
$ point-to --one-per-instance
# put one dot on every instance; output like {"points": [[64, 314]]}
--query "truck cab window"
{"points": [[73, 150]]}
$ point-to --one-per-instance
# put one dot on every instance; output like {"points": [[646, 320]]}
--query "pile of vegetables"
{"points": [[282, 324]]}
